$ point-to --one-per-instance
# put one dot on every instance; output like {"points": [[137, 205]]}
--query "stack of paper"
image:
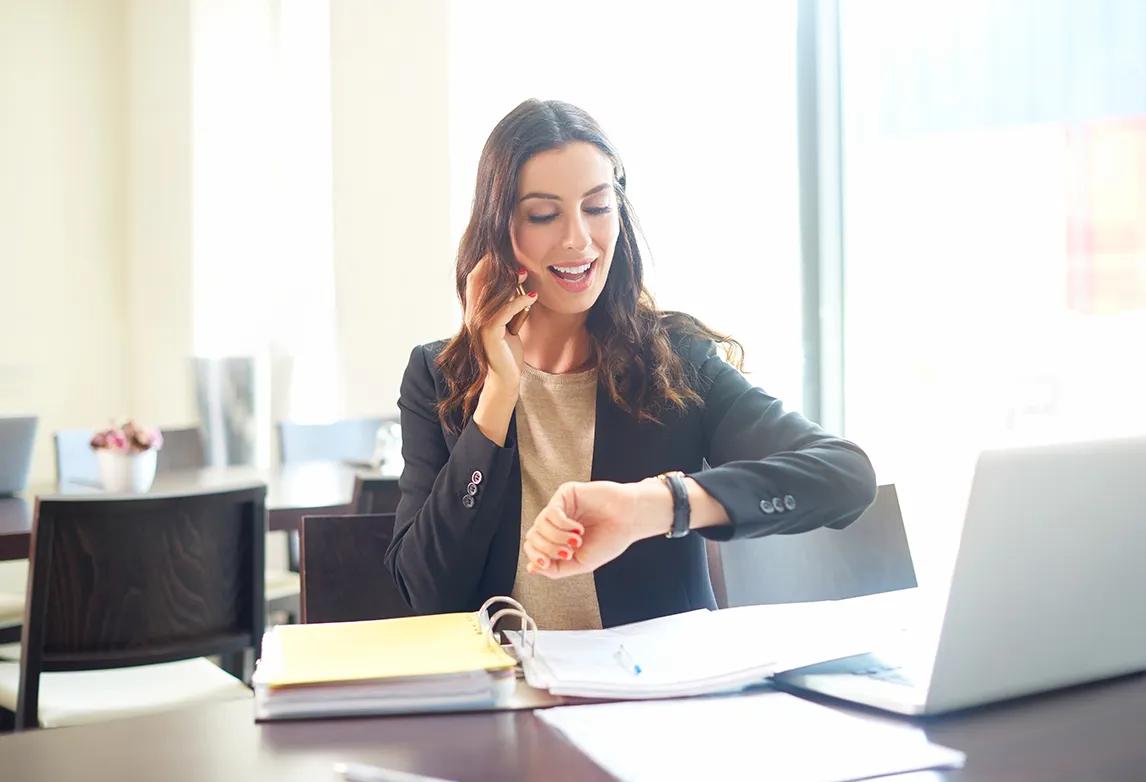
{"points": [[765, 735], [700, 652], [424, 663]]}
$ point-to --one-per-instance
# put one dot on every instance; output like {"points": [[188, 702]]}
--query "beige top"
{"points": [[556, 416]]}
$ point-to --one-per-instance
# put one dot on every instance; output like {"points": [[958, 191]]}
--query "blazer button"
{"points": [[766, 506], [468, 501], [778, 504], [789, 502], [472, 489], [476, 477]]}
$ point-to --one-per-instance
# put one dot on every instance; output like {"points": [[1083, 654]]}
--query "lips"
{"points": [[574, 277]]}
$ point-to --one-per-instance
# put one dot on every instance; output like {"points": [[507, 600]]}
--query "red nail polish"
{"points": [[564, 554], [533, 294], [541, 562], [574, 542]]}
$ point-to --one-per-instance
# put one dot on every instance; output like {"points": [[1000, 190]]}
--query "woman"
{"points": [[532, 459]]}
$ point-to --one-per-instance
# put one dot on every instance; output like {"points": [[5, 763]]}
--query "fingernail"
{"points": [[564, 554], [541, 563], [574, 542], [521, 270], [533, 294]]}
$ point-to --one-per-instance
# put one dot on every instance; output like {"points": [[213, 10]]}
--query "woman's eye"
{"points": [[542, 218], [598, 210]]}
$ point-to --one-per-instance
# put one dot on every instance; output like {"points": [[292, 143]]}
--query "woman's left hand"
{"points": [[586, 525]]}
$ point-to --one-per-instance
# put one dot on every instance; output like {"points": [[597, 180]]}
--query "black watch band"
{"points": [[681, 510]]}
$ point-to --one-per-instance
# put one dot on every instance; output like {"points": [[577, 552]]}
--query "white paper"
{"points": [[765, 735]]}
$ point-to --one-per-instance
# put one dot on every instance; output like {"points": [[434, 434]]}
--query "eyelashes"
{"points": [[594, 210]]}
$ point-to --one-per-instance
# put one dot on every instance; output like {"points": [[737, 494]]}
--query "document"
{"points": [[762, 735]]}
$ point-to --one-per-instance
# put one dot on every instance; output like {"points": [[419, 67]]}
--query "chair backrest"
{"points": [[351, 439], [343, 575], [75, 460], [869, 556], [17, 439], [375, 494], [182, 450], [118, 581]]}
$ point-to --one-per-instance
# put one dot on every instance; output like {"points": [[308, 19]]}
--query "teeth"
{"points": [[572, 269]]}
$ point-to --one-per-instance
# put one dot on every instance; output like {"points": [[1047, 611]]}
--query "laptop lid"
{"points": [[17, 436], [1047, 588]]}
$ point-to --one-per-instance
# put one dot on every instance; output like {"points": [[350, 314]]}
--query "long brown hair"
{"points": [[630, 336]]}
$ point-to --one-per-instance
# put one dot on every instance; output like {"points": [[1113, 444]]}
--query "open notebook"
{"points": [[700, 652], [443, 662]]}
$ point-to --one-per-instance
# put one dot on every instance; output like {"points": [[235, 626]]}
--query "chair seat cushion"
{"points": [[95, 696], [281, 583]]}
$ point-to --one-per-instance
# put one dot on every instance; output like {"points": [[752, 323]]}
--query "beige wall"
{"points": [[63, 313], [158, 234], [392, 250]]}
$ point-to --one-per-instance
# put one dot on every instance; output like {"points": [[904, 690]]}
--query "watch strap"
{"points": [[681, 510]]}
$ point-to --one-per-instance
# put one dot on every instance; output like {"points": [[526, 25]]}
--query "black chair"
{"points": [[343, 575], [375, 494], [149, 585], [349, 440], [869, 556]]}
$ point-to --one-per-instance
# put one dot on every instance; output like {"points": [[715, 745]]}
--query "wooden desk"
{"points": [[1088, 733], [293, 490]]}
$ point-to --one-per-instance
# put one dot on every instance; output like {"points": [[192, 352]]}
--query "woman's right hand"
{"points": [[503, 350]]}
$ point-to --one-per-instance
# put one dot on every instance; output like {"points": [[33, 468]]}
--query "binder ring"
{"points": [[529, 641]]}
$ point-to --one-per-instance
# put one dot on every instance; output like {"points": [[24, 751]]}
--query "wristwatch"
{"points": [[681, 510]]}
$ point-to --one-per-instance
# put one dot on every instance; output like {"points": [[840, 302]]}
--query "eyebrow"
{"points": [[552, 197]]}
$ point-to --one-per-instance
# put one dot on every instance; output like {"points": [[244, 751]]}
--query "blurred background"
{"points": [[925, 221]]}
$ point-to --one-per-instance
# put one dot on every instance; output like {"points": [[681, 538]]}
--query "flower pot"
{"points": [[126, 472]]}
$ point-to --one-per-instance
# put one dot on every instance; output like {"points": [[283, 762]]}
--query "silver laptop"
{"points": [[17, 436], [1047, 589]]}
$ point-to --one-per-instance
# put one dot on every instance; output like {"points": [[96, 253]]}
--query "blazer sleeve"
{"points": [[774, 471], [441, 538]]}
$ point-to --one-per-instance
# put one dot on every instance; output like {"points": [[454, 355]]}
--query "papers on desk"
{"points": [[696, 653], [444, 662], [764, 735]]}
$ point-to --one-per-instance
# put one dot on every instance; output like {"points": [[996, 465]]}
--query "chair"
{"points": [[869, 556], [182, 450], [75, 460], [146, 586], [375, 494], [343, 578], [352, 439]]}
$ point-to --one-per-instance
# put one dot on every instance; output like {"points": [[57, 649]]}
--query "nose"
{"points": [[576, 233]]}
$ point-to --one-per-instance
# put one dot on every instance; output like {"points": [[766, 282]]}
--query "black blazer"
{"points": [[773, 470]]}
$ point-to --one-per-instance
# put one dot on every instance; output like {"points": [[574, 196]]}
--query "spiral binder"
{"points": [[487, 623]]}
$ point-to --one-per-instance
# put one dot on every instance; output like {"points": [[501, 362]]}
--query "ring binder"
{"points": [[488, 623]]}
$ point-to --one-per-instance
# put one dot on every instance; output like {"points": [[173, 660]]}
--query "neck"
{"points": [[555, 342]]}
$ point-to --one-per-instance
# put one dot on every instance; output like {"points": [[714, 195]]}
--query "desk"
{"points": [[293, 490], [1089, 733]]}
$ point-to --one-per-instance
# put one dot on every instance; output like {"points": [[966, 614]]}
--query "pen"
{"points": [[360, 772], [626, 660]]}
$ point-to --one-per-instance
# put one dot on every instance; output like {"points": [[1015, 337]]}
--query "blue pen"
{"points": [[626, 660]]}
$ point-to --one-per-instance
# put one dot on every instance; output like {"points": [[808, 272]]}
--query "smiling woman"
{"points": [[551, 463]]}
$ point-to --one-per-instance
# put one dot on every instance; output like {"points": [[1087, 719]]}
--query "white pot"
{"points": [[126, 472]]}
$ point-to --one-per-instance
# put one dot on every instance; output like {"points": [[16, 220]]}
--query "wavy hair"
{"points": [[632, 341]]}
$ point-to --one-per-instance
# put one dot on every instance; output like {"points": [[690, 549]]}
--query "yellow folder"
{"points": [[336, 652]]}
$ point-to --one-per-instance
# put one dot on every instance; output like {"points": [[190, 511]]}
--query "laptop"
{"points": [[1047, 589], [17, 436]]}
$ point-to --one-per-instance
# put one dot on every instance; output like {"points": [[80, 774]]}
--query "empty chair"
{"points": [[375, 494], [145, 587], [343, 578], [75, 460], [869, 556], [182, 450], [351, 439]]}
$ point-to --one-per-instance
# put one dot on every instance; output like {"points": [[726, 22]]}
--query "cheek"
{"points": [[534, 243]]}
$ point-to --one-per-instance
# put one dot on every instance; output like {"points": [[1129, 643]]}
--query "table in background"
{"points": [[293, 490], [1092, 732]]}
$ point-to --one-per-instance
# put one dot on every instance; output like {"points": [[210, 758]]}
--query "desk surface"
{"points": [[1088, 733], [293, 490]]}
